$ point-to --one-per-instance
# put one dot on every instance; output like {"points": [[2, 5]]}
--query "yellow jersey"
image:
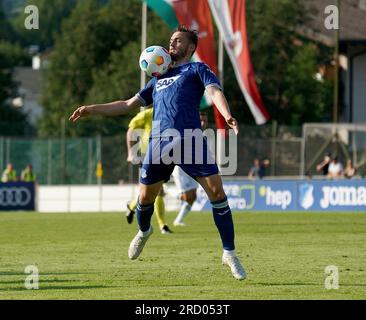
{"points": [[143, 120]]}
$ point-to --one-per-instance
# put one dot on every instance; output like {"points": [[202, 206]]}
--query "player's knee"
{"points": [[218, 194], [145, 198]]}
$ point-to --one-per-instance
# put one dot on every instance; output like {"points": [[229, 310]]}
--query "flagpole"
{"points": [[220, 63], [336, 69], [143, 46], [220, 143], [143, 40]]}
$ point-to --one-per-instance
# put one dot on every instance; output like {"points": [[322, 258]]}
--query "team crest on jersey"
{"points": [[165, 83]]}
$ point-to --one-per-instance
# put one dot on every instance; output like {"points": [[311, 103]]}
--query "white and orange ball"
{"points": [[155, 61]]}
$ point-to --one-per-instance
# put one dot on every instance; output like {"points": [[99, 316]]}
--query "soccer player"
{"points": [[176, 96], [143, 121], [187, 186]]}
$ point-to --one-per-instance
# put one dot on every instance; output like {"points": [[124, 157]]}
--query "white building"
{"points": [[30, 92]]}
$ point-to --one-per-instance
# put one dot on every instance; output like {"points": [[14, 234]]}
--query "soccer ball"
{"points": [[155, 61]]}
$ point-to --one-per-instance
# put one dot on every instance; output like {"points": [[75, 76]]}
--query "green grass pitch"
{"points": [[84, 256]]}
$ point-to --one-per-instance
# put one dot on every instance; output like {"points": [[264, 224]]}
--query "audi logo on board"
{"points": [[15, 197]]}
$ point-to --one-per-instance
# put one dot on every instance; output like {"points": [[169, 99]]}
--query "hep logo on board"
{"points": [[277, 198]]}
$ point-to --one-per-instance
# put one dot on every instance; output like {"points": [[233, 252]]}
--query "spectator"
{"points": [[9, 174], [28, 174], [335, 169], [324, 165], [258, 170], [350, 170]]}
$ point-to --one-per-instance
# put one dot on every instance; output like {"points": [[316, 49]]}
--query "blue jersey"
{"points": [[176, 96]]}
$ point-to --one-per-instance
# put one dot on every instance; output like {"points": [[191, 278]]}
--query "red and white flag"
{"points": [[196, 15], [231, 22]]}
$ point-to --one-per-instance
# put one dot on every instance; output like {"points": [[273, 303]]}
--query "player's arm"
{"points": [[130, 143], [220, 101], [129, 139], [115, 108]]}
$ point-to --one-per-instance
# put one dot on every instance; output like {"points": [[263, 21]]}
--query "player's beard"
{"points": [[179, 54]]}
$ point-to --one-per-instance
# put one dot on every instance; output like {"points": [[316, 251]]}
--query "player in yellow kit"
{"points": [[143, 121]]}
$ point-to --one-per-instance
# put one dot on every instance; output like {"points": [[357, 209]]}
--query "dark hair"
{"points": [[191, 34]]}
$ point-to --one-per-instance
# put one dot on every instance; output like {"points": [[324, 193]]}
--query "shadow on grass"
{"points": [[11, 273], [46, 288], [288, 284], [41, 280], [308, 284], [18, 273]]}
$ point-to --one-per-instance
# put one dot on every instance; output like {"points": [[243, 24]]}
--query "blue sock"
{"points": [[143, 215], [224, 222]]}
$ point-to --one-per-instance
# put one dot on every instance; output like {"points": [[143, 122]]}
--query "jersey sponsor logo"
{"points": [[165, 83]]}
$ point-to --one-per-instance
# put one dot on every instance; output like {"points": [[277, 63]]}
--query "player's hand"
{"points": [[233, 124], [80, 112]]}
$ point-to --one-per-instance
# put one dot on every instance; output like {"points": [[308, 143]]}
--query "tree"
{"points": [[96, 60], [13, 121], [118, 79], [285, 64], [51, 17], [6, 30]]}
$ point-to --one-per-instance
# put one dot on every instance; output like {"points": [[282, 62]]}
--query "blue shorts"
{"points": [[165, 153]]}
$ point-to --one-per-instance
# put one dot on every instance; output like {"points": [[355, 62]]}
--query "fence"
{"points": [[55, 161], [346, 141], [74, 160]]}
